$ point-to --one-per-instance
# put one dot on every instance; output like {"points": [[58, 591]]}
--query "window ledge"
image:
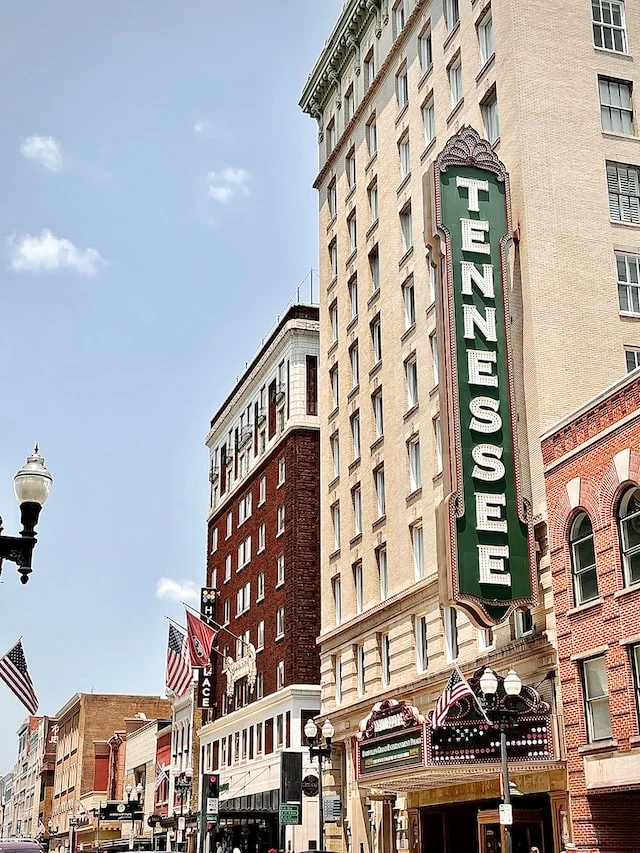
{"points": [[589, 653], [352, 323], [431, 308], [402, 113], [258, 600], [408, 332], [375, 296], [624, 224], [350, 194], [334, 483], [332, 284], [631, 315], [355, 465], [485, 67], [280, 484], [351, 257], [377, 444], [428, 150], [262, 503], [371, 161], [409, 414], [354, 391], [599, 746], [403, 260], [334, 413], [279, 637], [455, 110], [403, 183], [451, 35], [608, 52], [414, 496], [586, 606], [332, 222], [378, 523], [377, 367], [611, 134], [334, 554], [372, 228], [628, 590], [279, 534], [259, 649], [634, 740], [437, 477], [356, 540], [425, 76], [333, 347]]}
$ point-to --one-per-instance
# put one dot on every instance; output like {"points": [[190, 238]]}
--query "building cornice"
{"points": [[343, 41], [369, 95]]}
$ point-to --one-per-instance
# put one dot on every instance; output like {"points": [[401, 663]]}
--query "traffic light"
{"points": [[213, 785]]}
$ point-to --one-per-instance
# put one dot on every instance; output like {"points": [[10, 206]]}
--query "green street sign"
{"points": [[289, 814], [485, 524]]}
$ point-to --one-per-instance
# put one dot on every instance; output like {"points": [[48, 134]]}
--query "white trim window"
{"points": [[411, 372], [333, 380], [335, 519], [360, 669], [425, 51], [374, 268], [404, 154], [260, 636], [609, 28], [337, 676], [415, 473], [372, 192], [380, 494], [332, 199], [628, 277], [455, 82], [349, 105], [353, 296], [372, 136], [406, 228], [334, 443], [333, 258], [214, 540], [333, 321], [399, 18], [331, 135], [629, 526], [260, 586], [429, 122], [229, 524], [583, 560], [383, 571], [635, 660], [632, 358], [450, 621], [279, 623], [623, 183], [244, 553], [279, 570], [491, 118], [417, 545], [355, 434], [422, 650], [354, 358], [243, 599], [485, 639], [451, 13], [350, 167], [259, 685], [282, 470], [227, 568], [336, 587], [616, 105], [263, 491], [280, 679], [369, 66], [435, 360], [356, 500], [523, 623], [385, 659], [402, 88], [262, 537], [378, 413], [376, 339], [485, 38], [352, 225], [358, 585], [409, 298], [596, 699], [437, 432], [280, 521], [227, 611]]}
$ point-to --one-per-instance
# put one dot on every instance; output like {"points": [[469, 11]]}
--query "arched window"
{"points": [[583, 560], [629, 522]]}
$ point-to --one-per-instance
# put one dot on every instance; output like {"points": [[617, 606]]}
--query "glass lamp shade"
{"points": [[139, 787], [32, 483], [488, 682], [310, 730], [189, 772], [328, 730], [512, 683], [128, 790]]}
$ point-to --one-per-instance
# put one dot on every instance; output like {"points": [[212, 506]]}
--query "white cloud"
{"points": [[201, 125], [46, 252], [228, 183], [177, 590], [44, 150]]}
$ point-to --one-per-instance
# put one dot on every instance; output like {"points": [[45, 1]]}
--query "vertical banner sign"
{"points": [[485, 524], [205, 693]]}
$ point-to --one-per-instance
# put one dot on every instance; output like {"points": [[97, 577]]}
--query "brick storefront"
{"points": [[592, 462]]}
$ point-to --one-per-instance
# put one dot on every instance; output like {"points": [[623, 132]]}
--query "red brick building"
{"points": [[592, 473], [264, 560]]}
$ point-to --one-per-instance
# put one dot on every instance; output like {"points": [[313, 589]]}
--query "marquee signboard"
{"points": [[391, 737], [485, 524]]}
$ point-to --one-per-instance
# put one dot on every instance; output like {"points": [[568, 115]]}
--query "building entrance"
{"points": [[527, 831]]}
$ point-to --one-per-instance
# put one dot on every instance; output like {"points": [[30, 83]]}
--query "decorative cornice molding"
{"points": [[467, 148]]}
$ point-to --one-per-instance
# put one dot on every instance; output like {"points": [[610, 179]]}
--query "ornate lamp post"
{"points": [[32, 485], [133, 802], [73, 827], [499, 708], [183, 784], [321, 751]]}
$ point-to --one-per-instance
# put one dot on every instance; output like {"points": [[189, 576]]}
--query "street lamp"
{"points": [[133, 803], [498, 709], [183, 784], [32, 485], [322, 752], [73, 823]]}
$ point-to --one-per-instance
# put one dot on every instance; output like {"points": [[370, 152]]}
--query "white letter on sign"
{"points": [[488, 466], [473, 236], [471, 275], [485, 414], [488, 512], [473, 186], [486, 324], [491, 561], [479, 365]]}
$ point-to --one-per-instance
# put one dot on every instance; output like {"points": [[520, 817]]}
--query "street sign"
{"points": [[212, 806], [310, 786], [289, 814], [505, 811], [121, 811]]}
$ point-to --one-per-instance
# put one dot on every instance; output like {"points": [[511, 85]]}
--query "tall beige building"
{"points": [[550, 86]]}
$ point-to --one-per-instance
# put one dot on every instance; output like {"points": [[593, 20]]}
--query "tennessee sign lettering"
{"points": [[485, 526]]}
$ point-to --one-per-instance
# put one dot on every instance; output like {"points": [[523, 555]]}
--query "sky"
{"points": [[157, 215]]}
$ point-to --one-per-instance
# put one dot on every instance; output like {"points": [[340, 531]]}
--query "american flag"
{"points": [[179, 673], [456, 688], [14, 672]]}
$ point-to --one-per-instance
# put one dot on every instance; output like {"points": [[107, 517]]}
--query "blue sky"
{"points": [[157, 214]]}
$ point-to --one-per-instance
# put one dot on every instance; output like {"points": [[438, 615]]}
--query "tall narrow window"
{"points": [[455, 82], [378, 415], [352, 225], [451, 13], [523, 623], [583, 560], [332, 199], [376, 339], [280, 520], [337, 599], [406, 228], [333, 380], [373, 201], [404, 153], [279, 570], [632, 358], [417, 544], [629, 524], [399, 18], [402, 88], [330, 136], [354, 358], [628, 268], [337, 675], [335, 518], [635, 658], [360, 670], [437, 433], [433, 344], [333, 320], [616, 106], [485, 39], [350, 166], [385, 659], [358, 585], [411, 371], [381, 560], [335, 454], [369, 68], [422, 652], [596, 699], [280, 679], [312, 384], [355, 434], [374, 268], [353, 296], [609, 29], [450, 618], [490, 118], [372, 136], [333, 259], [349, 104], [356, 500], [380, 495], [623, 182], [409, 298], [429, 122], [415, 474], [279, 623], [425, 51]]}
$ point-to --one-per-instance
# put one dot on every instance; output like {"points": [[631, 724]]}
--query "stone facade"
{"points": [[592, 462]]}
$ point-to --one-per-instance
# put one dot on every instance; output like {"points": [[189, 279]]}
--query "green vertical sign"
{"points": [[488, 529]]}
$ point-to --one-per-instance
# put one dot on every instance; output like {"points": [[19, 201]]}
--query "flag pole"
{"points": [[213, 623]]}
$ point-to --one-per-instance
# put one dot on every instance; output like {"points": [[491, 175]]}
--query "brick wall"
{"points": [[584, 448]]}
